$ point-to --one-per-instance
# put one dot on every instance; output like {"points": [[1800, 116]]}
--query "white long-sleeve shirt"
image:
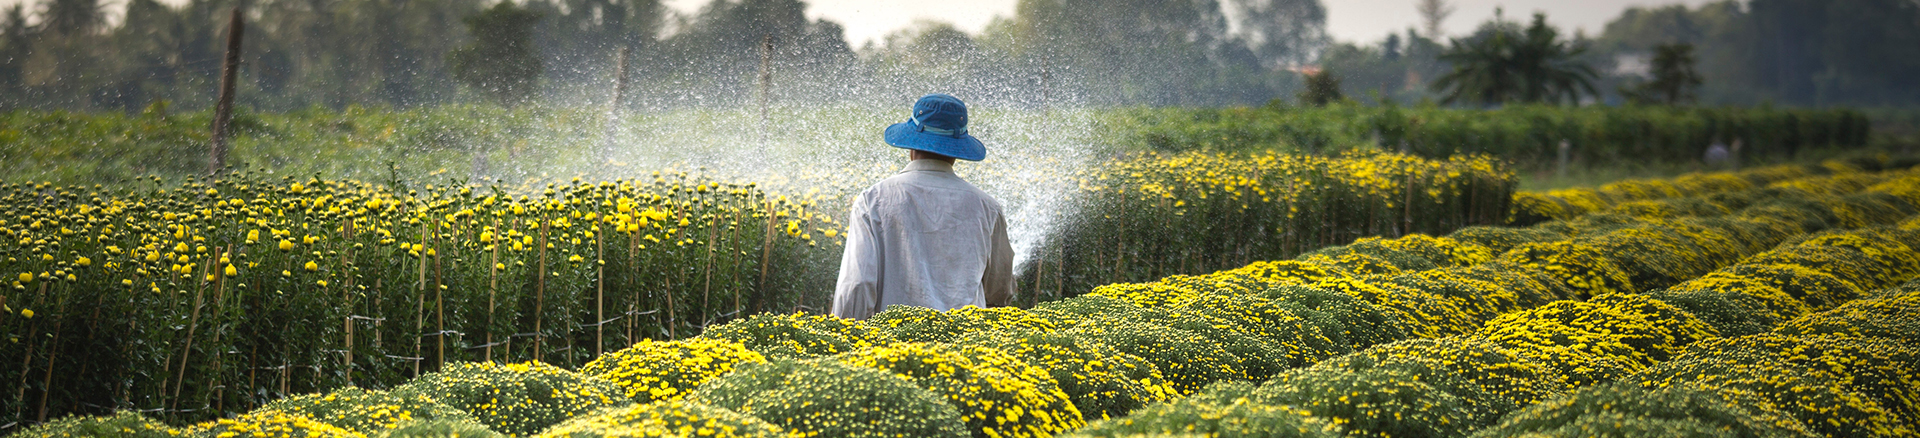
{"points": [[924, 237]]}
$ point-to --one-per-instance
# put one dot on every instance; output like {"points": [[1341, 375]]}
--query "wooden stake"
{"points": [[600, 277], [615, 107], [540, 294], [766, 86], [223, 109]]}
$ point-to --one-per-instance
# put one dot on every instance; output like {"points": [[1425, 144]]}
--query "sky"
{"points": [[1347, 20]]}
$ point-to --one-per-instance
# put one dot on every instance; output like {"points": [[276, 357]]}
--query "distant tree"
{"points": [[1433, 13], [71, 17], [1322, 88], [14, 46], [1674, 80], [1501, 64], [1281, 32], [500, 62]]}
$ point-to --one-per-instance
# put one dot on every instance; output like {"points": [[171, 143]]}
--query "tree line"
{"points": [[1728, 52], [83, 55], [78, 54]]}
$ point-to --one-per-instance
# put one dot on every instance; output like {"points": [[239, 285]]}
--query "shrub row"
{"points": [[1632, 195], [1529, 134], [1548, 371]]}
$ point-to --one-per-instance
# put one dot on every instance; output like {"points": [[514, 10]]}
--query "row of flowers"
{"points": [[1436, 336], [221, 295], [1631, 194]]}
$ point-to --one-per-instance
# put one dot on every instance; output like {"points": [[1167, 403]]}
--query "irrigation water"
{"points": [[1032, 155]]}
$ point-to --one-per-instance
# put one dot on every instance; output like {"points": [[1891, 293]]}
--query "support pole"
{"points": [[615, 108], [766, 86], [223, 110]]}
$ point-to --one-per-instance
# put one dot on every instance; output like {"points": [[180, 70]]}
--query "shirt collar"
{"points": [[929, 165]]}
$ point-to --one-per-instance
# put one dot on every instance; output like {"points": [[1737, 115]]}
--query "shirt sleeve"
{"points": [[858, 291], [998, 280]]}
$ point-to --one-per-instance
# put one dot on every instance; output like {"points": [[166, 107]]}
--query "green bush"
{"points": [[1625, 410], [998, 394], [367, 411], [1187, 359], [438, 428], [120, 425], [1101, 381], [827, 398], [1215, 412], [675, 418], [798, 335], [651, 371], [515, 399]]}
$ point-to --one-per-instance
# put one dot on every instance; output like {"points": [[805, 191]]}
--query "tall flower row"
{"points": [[217, 296], [1153, 215]]}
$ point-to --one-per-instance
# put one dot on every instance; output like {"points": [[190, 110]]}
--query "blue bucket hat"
{"points": [[938, 125]]}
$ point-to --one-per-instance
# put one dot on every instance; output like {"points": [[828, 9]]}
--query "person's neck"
{"points": [[919, 155]]}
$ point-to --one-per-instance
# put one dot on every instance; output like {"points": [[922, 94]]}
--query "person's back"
{"points": [[925, 237]]}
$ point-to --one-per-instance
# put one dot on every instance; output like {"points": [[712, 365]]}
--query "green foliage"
{"points": [[651, 371], [1322, 88], [798, 335], [438, 428], [1102, 382], [827, 398], [1833, 385], [267, 423], [1526, 134], [1187, 359], [674, 418], [1503, 64], [500, 62], [368, 411], [1219, 412], [998, 394], [515, 399], [120, 424], [1674, 80], [1356, 401], [1625, 410], [1485, 380]]}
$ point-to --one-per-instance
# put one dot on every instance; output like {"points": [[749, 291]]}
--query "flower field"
{"points": [[1155, 215], [1775, 303]]}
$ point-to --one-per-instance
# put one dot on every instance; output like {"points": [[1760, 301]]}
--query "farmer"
{"points": [[924, 237]]}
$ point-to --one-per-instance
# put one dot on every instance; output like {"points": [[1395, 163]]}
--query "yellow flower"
{"points": [[26, 277], [27, 313], [286, 245], [83, 261], [311, 266]]}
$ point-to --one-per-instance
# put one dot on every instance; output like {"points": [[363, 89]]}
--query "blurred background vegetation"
{"points": [[99, 55]]}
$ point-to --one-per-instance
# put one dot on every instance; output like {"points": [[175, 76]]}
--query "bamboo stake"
{"points": [[223, 108], [766, 254], [420, 308], [493, 286], [540, 296], [706, 289], [600, 277], [439, 301], [186, 351]]}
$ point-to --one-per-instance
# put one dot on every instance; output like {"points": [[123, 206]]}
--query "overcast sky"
{"points": [[1347, 20]]}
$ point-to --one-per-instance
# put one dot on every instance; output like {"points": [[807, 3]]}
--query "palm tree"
{"points": [[1504, 64], [1674, 80]]}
